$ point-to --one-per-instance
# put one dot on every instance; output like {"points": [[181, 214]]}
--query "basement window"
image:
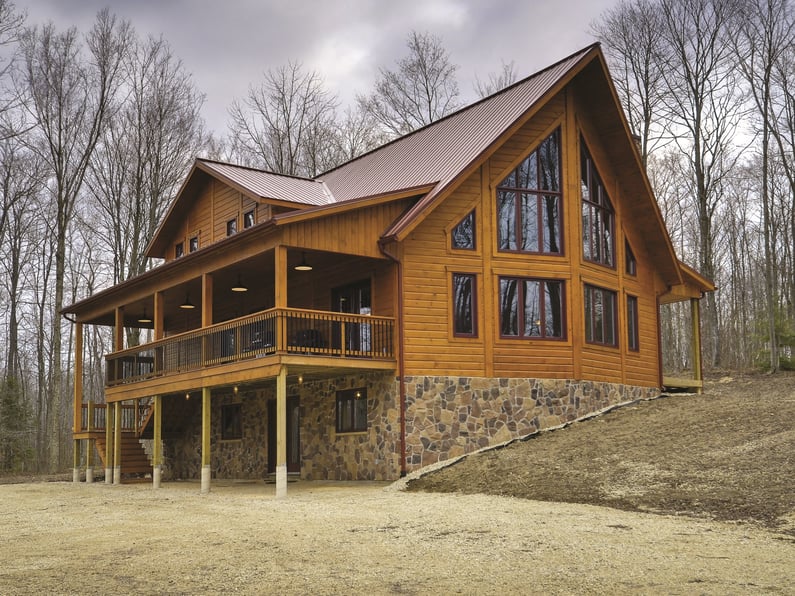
{"points": [[352, 410], [232, 422]]}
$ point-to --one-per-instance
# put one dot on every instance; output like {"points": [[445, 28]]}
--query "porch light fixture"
{"points": [[235, 389], [187, 305], [239, 287], [187, 395], [303, 265], [144, 318]]}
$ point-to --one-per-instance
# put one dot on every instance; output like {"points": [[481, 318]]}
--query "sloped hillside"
{"points": [[728, 454]]}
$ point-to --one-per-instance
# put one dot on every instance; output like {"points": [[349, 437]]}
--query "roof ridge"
{"points": [[254, 169], [463, 109]]}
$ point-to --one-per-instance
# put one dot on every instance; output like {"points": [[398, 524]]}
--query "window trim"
{"points": [[193, 238], [472, 214], [603, 205], [633, 321], [231, 227], [352, 396], [630, 262], [589, 323], [473, 306], [540, 196], [521, 312], [251, 216], [179, 249]]}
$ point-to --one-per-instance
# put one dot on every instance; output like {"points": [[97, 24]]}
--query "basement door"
{"points": [[293, 438]]}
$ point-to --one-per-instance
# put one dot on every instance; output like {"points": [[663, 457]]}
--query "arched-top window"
{"points": [[529, 202]]}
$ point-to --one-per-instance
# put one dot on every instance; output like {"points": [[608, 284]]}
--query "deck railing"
{"points": [[278, 330], [133, 416]]}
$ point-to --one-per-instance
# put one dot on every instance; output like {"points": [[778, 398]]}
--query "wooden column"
{"points": [[157, 448], [281, 433], [206, 470], [695, 320], [109, 438], [280, 294], [117, 442], [158, 316], [89, 444], [77, 415], [118, 330]]}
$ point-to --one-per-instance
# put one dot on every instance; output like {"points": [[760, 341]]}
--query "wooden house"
{"points": [[496, 272]]}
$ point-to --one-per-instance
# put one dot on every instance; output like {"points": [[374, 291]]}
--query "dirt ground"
{"points": [[716, 471]]}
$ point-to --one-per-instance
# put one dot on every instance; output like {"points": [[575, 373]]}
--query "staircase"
{"points": [[134, 461]]}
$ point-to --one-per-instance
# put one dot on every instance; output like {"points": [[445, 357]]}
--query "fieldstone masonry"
{"points": [[446, 417], [450, 416]]}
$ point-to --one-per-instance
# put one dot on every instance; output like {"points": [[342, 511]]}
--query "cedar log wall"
{"points": [[431, 348]]}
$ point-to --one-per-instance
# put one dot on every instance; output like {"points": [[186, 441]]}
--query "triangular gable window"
{"points": [[463, 235]]}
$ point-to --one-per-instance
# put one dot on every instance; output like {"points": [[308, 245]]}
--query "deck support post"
{"points": [[109, 435], [76, 461], [157, 448], [281, 433], [206, 469], [695, 319], [117, 442], [89, 459]]}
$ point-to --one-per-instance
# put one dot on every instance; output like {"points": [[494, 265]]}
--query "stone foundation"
{"points": [[448, 417]]}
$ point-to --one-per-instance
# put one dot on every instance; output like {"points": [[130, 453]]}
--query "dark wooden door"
{"points": [[293, 436]]}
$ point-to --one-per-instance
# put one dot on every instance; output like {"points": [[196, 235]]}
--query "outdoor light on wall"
{"points": [[239, 287], [144, 318], [187, 396], [187, 305], [358, 395], [300, 379], [303, 265], [234, 389]]}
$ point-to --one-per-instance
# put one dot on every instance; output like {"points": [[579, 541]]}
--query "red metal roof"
{"points": [[268, 185]]}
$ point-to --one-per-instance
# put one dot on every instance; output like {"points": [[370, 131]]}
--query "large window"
{"points": [[352, 410], [600, 316], [531, 308], [529, 202], [633, 337], [598, 218], [464, 318], [463, 235]]}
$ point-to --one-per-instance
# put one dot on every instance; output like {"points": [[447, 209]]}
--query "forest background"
{"points": [[99, 127]]}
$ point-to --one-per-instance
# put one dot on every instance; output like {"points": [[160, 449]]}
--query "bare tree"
{"points": [[68, 97], [503, 78], [144, 152], [422, 89], [285, 122], [11, 23], [630, 34]]}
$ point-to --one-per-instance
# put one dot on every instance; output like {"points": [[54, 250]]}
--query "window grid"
{"points": [[598, 217], [532, 308], [600, 316], [351, 410]]}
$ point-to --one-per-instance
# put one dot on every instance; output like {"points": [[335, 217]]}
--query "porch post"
{"points": [[89, 460], [117, 443], [695, 319], [206, 470], [157, 451], [77, 414], [76, 460], [109, 437], [281, 433]]}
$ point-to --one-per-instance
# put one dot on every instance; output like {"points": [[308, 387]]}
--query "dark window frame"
{"points": [[521, 313], [473, 306], [249, 219], [471, 217], [522, 194], [598, 214], [631, 263], [350, 411], [231, 227], [232, 422], [193, 243], [179, 250], [600, 331], [633, 333]]}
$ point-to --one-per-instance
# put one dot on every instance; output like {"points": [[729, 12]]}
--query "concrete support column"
{"points": [[109, 435], [281, 433], [117, 443], [89, 459], [206, 461], [157, 451], [76, 461]]}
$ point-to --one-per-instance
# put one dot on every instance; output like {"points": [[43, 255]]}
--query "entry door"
{"points": [[353, 298], [293, 436]]}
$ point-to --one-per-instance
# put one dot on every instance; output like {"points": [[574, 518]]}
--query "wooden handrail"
{"points": [[277, 330]]}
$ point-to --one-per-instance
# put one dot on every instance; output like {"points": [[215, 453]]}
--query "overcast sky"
{"points": [[227, 45]]}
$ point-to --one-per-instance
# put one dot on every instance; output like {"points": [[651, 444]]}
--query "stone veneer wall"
{"points": [[325, 455], [449, 416]]}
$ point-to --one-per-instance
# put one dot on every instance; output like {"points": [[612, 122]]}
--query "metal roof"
{"points": [[267, 185]]}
